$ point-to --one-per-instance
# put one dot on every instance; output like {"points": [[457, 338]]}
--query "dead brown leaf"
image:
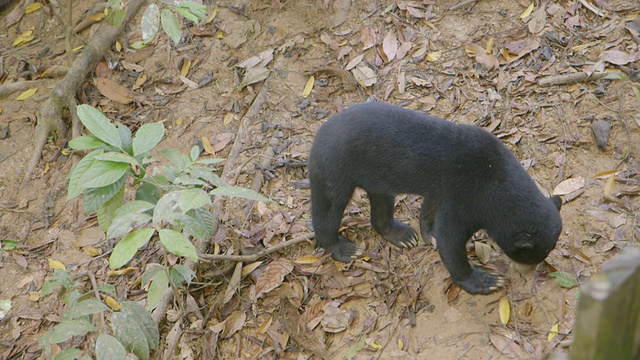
{"points": [[335, 319], [112, 91], [368, 38], [476, 51], [219, 141], [508, 347], [390, 45], [233, 323], [272, 276]]}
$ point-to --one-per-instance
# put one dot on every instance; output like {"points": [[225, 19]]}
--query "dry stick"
{"points": [[8, 89], [570, 78], [259, 254], [50, 118]]}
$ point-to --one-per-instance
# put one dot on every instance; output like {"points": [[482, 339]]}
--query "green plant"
{"points": [[133, 328], [173, 203]]}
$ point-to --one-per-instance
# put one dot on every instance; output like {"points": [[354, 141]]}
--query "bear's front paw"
{"points": [[401, 235], [481, 282], [344, 250]]}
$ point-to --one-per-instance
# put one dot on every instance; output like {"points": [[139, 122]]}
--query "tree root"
{"points": [[50, 118]]}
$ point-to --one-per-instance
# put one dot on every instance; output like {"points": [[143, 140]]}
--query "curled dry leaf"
{"points": [[569, 186], [355, 61], [476, 51], [272, 276], [519, 49], [335, 319], [617, 57]]}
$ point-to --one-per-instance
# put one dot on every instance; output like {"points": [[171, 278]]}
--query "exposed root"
{"points": [[50, 117]]}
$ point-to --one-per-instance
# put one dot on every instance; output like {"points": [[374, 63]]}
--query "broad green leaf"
{"points": [[126, 248], [68, 354], [129, 216], [193, 199], [129, 332], [95, 198], [107, 211], [59, 278], [239, 192], [195, 8], [147, 137], [182, 274], [76, 186], [108, 289], [103, 173], [67, 329], [199, 223], [118, 157], [207, 175], [186, 13], [195, 153], [109, 348], [150, 22], [148, 192], [99, 125], [84, 308], [564, 279], [176, 157], [189, 181], [150, 273], [116, 16], [167, 209], [147, 324], [157, 289], [178, 244], [125, 138], [171, 25], [86, 142]]}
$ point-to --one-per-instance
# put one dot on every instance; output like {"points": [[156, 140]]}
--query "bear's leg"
{"points": [[427, 220], [451, 239], [327, 208], [395, 232]]}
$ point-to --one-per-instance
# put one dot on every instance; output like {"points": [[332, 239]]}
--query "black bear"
{"points": [[468, 178]]}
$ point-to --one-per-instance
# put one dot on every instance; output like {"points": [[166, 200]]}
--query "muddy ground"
{"points": [[469, 62]]}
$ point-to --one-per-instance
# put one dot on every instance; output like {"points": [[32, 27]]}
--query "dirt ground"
{"points": [[393, 304]]}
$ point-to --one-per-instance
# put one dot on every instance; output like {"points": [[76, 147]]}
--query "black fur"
{"points": [[468, 178]]}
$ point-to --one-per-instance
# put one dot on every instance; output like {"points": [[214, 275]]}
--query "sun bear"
{"points": [[468, 178]]}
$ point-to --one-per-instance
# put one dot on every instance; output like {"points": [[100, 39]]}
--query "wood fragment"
{"points": [[570, 78]]}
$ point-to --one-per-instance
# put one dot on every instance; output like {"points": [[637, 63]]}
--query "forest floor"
{"points": [[474, 62]]}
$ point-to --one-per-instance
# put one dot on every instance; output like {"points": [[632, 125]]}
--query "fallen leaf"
{"points": [[341, 14], [234, 283], [206, 145], [308, 259], [617, 57], [113, 91], [329, 41], [249, 268], [527, 12], [483, 251], [33, 7], [569, 186], [368, 38], [452, 314], [27, 94], [505, 310], [404, 48], [508, 347], [308, 87], [24, 38], [355, 61], [112, 303], [335, 319], [476, 51], [538, 20], [364, 75], [55, 264], [221, 140], [272, 276], [228, 118], [553, 332], [390, 45], [233, 323]]}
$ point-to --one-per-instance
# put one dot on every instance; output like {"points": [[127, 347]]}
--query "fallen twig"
{"points": [[259, 254], [570, 78]]}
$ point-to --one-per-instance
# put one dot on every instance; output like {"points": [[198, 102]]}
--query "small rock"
{"points": [[601, 131]]}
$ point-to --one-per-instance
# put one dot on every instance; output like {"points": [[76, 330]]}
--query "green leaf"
{"points": [[150, 273], [8, 244], [178, 244], [176, 157], [125, 138], [138, 45], [171, 25], [118, 157], [126, 248], [68, 354], [150, 23], [84, 308], [86, 142], [106, 213], [143, 318], [564, 279], [186, 13], [103, 173], [636, 92], [67, 329], [108, 289], [199, 223], [211, 161], [128, 217], [207, 175], [116, 17], [127, 330], [148, 192], [195, 8], [99, 125], [157, 289], [195, 152], [76, 186], [185, 273], [239, 192], [167, 209], [109, 348], [59, 278], [95, 198], [147, 137], [193, 199]]}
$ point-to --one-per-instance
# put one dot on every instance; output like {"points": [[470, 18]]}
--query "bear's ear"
{"points": [[557, 201]]}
